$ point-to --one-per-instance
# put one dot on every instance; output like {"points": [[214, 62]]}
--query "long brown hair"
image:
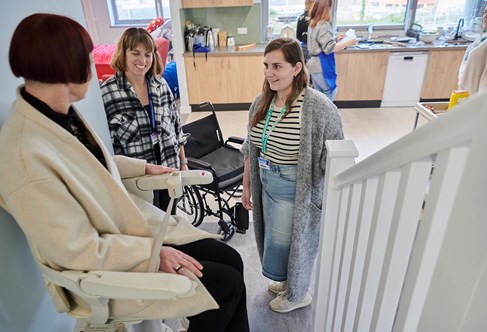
{"points": [[129, 41], [293, 54], [308, 4], [321, 11]]}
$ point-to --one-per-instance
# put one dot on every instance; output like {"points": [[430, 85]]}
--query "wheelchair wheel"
{"points": [[190, 205], [227, 226]]}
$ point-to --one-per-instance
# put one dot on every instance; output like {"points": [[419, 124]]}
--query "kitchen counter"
{"points": [[226, 51], [420, 46], [237, 76]]}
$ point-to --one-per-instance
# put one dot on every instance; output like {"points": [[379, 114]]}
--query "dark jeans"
{"points": [[223, 278]]}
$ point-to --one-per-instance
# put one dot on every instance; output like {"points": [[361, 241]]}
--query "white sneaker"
{"points": [[282, 304], [277, 286]]}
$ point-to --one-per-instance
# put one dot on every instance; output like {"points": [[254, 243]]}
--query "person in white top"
{"points": [[472, 75]]}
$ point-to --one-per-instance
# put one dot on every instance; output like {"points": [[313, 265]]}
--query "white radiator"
{"points": [[385, 262]]}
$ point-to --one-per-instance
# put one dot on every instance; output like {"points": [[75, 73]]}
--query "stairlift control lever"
{"points": [[175, 185]]}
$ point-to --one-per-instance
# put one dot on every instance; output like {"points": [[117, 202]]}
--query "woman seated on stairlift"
{"points": [[64, 189]]}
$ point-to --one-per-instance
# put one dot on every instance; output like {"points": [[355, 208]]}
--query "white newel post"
{"points": [[341, 155]]}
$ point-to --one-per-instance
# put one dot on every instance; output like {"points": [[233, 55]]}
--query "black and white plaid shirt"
{"points": [[130, 126]]}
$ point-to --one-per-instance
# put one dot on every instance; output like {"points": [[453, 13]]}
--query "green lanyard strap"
{"points": [[265, 133]]}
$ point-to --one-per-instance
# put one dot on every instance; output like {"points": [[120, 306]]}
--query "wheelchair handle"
{"points": [[207, 103]]}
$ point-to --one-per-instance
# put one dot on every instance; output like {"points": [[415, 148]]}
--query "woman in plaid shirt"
{"points": [[141, 110]]}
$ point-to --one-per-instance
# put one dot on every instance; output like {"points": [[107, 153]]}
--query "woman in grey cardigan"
{"points": [[285, 159]]}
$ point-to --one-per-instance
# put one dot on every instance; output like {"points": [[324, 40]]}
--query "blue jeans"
{"points": [[320, 84], [278, 192]]}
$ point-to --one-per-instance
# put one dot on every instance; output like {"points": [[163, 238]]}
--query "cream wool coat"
{"points": [[78, 214]]}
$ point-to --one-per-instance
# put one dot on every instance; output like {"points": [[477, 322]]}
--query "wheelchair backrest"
{"points": [[205, 138]]}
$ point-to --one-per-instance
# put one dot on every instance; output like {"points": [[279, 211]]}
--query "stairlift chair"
{"points": [[97, 288]]}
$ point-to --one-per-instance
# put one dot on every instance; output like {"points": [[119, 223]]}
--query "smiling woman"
{"points": [[141, 109], [284, 170]]}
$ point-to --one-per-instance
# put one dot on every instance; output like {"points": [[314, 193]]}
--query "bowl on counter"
{"points": [[428, 37]]}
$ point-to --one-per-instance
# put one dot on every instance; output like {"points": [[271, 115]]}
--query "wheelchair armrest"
{"points": [[198, 164], [236, 139]]}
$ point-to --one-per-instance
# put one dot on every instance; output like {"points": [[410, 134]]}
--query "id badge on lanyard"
{"points": [[154, 138]]}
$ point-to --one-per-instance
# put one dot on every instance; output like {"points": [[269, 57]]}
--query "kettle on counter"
{"points": [[231, 41], [414, 31]]}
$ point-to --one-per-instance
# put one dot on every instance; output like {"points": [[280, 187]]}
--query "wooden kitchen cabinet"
{"points": [[361, 76], [442, 74], [224, 79], [215, 3]]}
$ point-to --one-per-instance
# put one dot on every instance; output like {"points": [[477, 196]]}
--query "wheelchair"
{"points": [[206, 150]]}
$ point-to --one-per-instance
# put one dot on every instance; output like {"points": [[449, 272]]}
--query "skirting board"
{"points": [[223, 107], [357, 103]]}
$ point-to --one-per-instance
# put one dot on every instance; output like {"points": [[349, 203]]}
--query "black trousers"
{"points": [[161, 200], [223, 278]]}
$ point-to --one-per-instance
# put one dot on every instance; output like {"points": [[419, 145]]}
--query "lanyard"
{"points": [[265, 133], [152, 115]]}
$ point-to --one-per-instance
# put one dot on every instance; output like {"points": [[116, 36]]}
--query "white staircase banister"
{"points": [[429, 138]]}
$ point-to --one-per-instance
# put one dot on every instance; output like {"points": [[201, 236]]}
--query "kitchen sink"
{"points": [[374, 46], [457, 42]]}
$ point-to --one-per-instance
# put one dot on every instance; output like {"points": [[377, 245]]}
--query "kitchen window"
{"points": [[381, 14], [137, 12]]}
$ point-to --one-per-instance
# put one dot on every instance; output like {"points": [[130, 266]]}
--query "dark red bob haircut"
{"points": [[51, 48]]}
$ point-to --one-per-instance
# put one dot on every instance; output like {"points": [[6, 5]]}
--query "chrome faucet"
{"points": [[370, 30], [459, 26]]}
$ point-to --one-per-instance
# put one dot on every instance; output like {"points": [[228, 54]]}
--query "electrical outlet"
{"points": [[242, 31]]}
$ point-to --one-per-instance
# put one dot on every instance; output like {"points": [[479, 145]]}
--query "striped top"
{"points": [[284, 140]]}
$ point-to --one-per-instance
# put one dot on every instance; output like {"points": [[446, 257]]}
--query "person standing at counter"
{"points": [[141, 110], [285, 158], [322, 44], [302, 28], [472, 75]]}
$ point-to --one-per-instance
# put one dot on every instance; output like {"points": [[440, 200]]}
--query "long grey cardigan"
{"points": [[320, 121]]}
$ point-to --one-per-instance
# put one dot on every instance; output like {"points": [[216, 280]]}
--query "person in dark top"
{"points": [[302, 28]]}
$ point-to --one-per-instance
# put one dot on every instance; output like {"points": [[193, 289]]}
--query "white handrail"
{"points": [[404, 228], [468, 117]]}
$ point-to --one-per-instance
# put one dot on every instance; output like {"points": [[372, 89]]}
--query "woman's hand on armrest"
{"points": [[151, 169]]}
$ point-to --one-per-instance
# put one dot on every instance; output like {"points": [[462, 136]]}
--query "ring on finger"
{"points": [[177, 268]]}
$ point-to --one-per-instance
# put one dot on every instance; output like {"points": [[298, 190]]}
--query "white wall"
{"points": [[99, 25], [24, 303]]}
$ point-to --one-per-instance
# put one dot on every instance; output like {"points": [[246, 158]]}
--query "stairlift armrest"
{"points": [[121, 285], [136, 285], [188, 178], [144, 185]]}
